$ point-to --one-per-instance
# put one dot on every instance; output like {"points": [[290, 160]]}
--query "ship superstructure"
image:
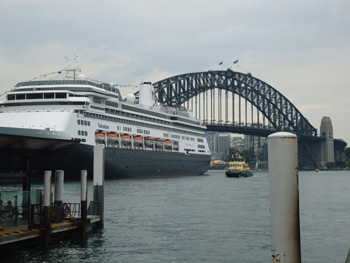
{"points": [[142, 137]]}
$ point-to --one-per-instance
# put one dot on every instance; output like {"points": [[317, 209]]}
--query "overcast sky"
{"points": [[301, 48]]}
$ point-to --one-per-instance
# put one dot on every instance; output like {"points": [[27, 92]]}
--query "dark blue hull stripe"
{"points": [[119, 163]]}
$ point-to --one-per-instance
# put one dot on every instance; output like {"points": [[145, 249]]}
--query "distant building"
{"points": [[237, 143], [212, 142], [223, 143], [254, 143], [248, 142]]}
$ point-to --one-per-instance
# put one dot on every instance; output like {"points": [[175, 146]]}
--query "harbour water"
{"points": [[208, 218]]}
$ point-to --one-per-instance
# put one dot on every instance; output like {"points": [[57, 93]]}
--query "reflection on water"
{"points": [[207, 218]]}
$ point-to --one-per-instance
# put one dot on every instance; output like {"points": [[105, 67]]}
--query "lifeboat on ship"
{"points": [[137, 140], [99, 137], [167, 144], [125, 139], [159, 142], [176, 146], [112, 137], [149, 141]]}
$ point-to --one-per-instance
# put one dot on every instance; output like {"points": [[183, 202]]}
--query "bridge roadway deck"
{"points": [[250, 130]]}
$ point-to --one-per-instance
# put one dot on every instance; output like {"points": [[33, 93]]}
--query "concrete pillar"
{"points": [[47, 205], [83, 202], [327, 145], [99, 177], [26, 187], [47, 188], [284, 197], [59, 185]]}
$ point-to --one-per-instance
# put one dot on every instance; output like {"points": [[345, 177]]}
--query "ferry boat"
{"points": [[142, 138], [218, 165], [237, 167]]}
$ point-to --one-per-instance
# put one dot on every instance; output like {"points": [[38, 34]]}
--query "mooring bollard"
{"points": [[99, 178], [83, 202], [59, 183], [284, 197], [47, 205]]}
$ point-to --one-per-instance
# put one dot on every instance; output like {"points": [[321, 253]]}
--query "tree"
{"points": [[249, 155], [340, 164], [347, 163], [347, 152]]}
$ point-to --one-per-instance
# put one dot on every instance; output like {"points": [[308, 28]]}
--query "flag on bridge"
{"points": [[236, 61], [221, 62]]}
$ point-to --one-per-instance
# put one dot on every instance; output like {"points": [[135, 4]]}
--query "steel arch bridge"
{"points": [[271, 106]]}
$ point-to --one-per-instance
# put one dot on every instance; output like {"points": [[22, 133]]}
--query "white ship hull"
{"points": [[140, 141]]}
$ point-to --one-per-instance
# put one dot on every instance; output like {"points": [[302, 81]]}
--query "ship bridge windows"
{"points": [[49, 95], [20, 96], [36, 96], [25, 104], [11, 97], [61, 95]]}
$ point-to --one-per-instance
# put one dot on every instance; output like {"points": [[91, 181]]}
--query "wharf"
{"points": [[39, 216], [22, 233], [13, 235]]}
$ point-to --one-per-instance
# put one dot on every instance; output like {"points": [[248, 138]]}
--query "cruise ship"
{"points": [[142, 138]]}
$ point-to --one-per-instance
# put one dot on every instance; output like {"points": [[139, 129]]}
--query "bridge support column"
{"points": [[327, 147]]}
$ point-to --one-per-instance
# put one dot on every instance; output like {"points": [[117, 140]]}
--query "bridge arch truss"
{"points": [[202, 92]]}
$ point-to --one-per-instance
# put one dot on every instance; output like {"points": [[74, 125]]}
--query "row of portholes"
{"points": [[82, 122], [83, 133]]}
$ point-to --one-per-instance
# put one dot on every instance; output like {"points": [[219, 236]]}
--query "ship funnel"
{"points": [[146, 95]]}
